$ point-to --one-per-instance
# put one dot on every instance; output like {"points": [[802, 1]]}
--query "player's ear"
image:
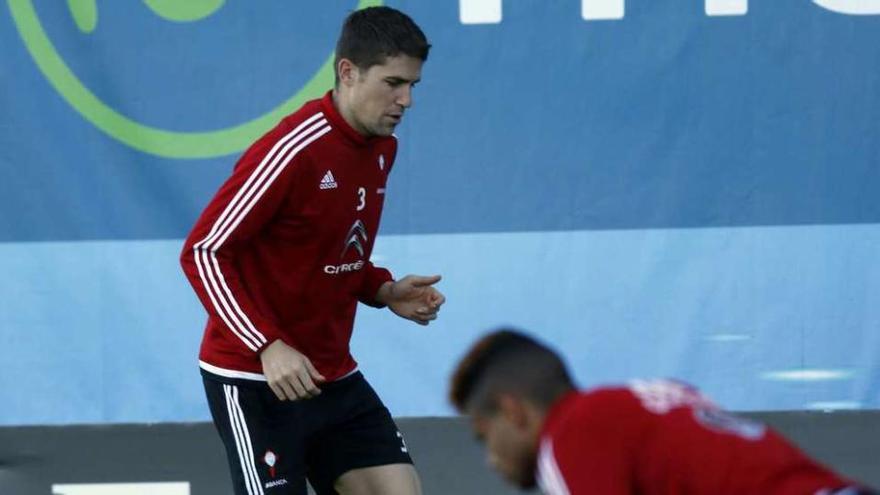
{"points": [[347, 70]]}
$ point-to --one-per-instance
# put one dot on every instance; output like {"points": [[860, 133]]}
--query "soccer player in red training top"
{"points": [[653, 437], [280, 258]]}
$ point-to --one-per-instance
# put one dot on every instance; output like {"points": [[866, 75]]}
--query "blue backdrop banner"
{"points": [[686, 189]]}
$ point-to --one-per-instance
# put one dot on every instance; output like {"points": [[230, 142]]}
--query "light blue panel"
{"points": [[97, 332], [759, 317], [726, 309], [50, 335]]}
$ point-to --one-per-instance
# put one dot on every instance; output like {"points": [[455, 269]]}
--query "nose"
{"points": [[404, 96]]}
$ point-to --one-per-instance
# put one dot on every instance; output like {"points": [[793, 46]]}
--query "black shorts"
{"points": [[273, 446]]}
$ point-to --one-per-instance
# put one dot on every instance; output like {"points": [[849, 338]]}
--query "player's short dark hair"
{"points": [[370, 35], [508, 361]]}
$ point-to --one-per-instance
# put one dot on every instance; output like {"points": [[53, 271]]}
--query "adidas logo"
{"points": [[328, 182]]}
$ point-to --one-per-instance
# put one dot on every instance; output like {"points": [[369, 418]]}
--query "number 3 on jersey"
{"points": [[362, 198]]}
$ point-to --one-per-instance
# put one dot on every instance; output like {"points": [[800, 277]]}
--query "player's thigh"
{"points": [[392, 479], [361, 435], [263, 445]]}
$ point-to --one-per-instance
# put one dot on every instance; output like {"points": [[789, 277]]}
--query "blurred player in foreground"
{"points": [[653, 437]]}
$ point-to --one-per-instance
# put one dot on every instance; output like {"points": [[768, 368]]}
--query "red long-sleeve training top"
{"points": [[282, 251], [662, 438]]}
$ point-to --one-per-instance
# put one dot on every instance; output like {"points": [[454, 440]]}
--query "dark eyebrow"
{"points": [[395, 79]]}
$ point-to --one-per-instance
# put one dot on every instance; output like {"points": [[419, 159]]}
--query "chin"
{"points": [[523, 474], [524, 481], [381, 131], [387, 131], [522, 478]]}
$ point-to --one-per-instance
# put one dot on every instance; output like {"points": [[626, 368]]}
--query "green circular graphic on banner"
{"points": [[153, 140], [188, 11]]}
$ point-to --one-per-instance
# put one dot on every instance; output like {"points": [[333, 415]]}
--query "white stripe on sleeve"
{"points": [[244, 200]]}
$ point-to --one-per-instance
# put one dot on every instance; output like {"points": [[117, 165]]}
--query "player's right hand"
{"points": [[290, 374]]}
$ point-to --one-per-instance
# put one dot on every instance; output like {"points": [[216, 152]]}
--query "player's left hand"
{"points": [[413, 297]]}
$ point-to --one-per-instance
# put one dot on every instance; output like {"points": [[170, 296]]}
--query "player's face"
{"points": [[510, 450], [380, 95]]}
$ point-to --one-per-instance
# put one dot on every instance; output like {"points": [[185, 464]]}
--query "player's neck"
{"points": [[343, 108]]}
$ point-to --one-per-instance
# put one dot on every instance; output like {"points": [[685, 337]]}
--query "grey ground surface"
{"points": [[32, 459]]}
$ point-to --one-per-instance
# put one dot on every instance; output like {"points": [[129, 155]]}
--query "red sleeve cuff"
{"points": [[373, 279]]}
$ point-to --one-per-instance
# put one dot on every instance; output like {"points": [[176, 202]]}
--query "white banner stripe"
{"points": [[256, 173], [247, 439], [239, 445], [217, 307], [244, 325], [212, 286]]}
